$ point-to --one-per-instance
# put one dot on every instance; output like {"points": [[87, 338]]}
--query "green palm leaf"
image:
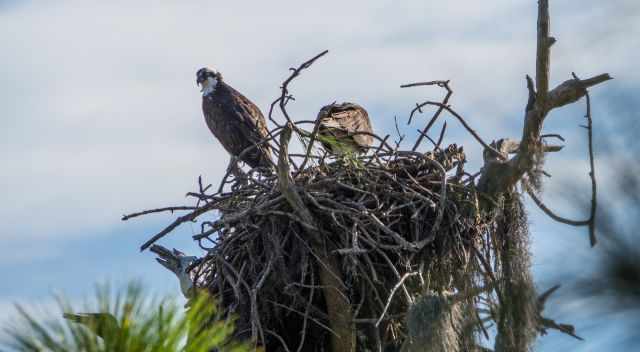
{"points": [[127, 320]]}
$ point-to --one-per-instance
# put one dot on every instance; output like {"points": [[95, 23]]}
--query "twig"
{"points": [[550, 213], [463, 122], [312, 139], [284, 89], [552, 135], [445, 101], [441, 137], [159, 210], [189, 217], [393, 292], [592, 171]]}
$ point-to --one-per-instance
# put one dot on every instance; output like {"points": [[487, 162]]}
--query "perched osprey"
{"points": [[340, 125], [233, 119]]}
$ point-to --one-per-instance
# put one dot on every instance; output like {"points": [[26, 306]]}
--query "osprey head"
{"points": [[209, 79]]}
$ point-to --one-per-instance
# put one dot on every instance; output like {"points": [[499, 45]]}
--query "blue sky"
{"points": [[101, 115]]}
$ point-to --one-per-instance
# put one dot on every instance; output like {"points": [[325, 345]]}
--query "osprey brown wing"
{"points": [[344, 123], [238, 124]]}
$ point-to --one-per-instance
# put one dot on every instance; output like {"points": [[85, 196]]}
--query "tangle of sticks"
{"points": [[328, 253]]}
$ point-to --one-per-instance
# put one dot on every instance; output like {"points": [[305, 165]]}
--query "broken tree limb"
{"points": [[501, 175], [543, 51], [178, 263]]}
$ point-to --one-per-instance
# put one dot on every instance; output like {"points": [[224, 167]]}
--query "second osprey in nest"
{"points": [[233, 119], [345, 128]]}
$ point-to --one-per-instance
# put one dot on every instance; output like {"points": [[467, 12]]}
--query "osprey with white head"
{"points": [[208, 79], [234, 120]]}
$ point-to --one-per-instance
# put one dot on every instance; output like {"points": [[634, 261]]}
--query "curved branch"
{"points": [[550, 213], [463, 122]]}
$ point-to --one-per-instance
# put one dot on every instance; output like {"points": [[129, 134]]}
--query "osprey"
{"points": [[340, 127], [233, 119]]}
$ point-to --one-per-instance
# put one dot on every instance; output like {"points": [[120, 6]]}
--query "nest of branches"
{"points": [[323, 250], [382, 218], [394, 224], [388, 226]]}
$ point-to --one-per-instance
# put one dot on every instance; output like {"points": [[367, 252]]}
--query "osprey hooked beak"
{"points": [[199, 80], [203, 75]]}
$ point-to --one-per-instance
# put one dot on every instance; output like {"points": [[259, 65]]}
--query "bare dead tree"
{"points": [[501, 173]]}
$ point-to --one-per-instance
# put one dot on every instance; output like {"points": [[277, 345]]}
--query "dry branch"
{"points": [[500, 176]]}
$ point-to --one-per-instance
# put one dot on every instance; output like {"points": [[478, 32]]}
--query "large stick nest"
{"points": [[394, 223], [384, 215]]}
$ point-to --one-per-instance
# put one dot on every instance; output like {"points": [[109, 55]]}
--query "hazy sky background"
{"points": [[101, 115]]}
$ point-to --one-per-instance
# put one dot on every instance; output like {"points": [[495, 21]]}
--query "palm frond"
{"points": [[125, 320]]}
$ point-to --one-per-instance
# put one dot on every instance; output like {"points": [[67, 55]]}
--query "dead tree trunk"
{"points": [[338, 307], [501, 173]]}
